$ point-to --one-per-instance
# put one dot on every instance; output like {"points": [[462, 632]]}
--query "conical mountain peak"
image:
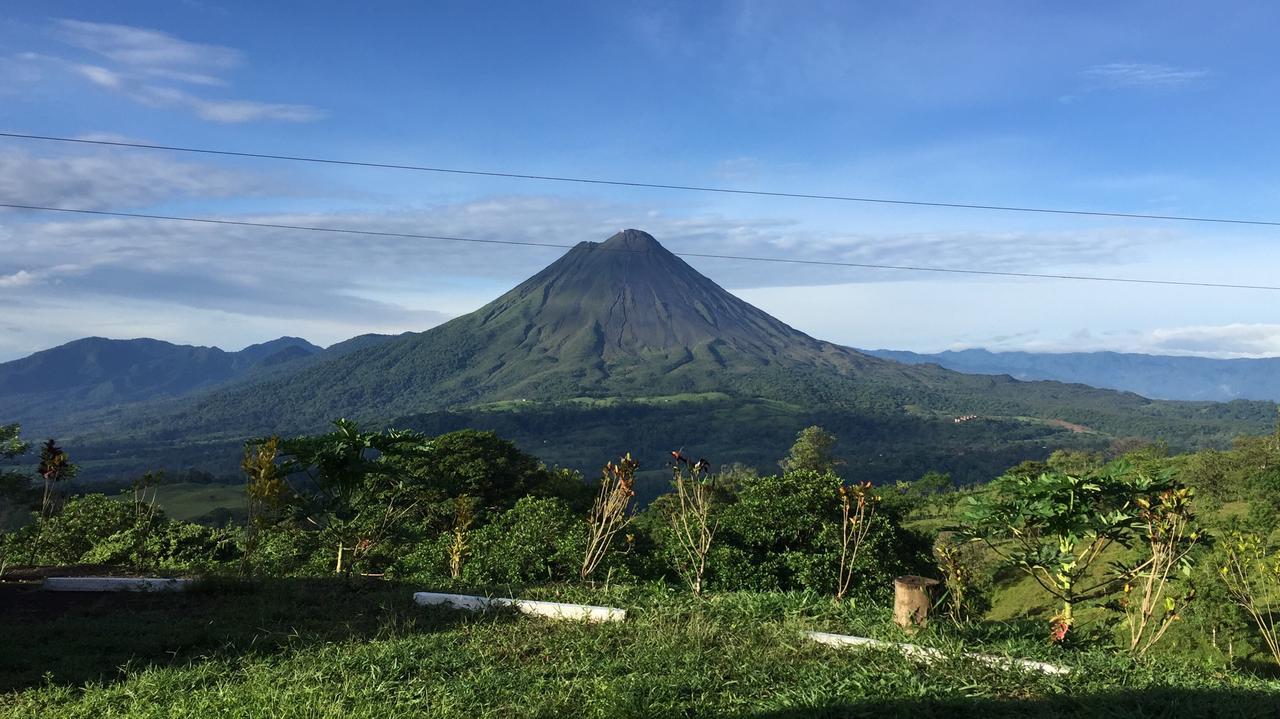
{"points": [[629, 299], [632, 240]]}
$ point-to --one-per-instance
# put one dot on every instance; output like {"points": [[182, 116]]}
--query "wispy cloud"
{"points": [[1233, 340], [21, 278], [1227, 341], [107, 179], [147, 50], [1118, 75], [152, 67]]}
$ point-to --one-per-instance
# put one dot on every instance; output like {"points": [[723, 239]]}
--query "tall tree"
{"points": [[16, 493], [813, 451]]}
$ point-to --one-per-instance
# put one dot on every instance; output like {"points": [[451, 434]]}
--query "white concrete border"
{"points": [[929, 655], [115, 584], [554, 610]]}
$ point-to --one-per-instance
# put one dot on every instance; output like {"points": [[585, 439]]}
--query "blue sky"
{"points": [[1143, 108]]}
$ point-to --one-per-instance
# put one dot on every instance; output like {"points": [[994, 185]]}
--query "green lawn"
{"points": [[189, 501], [322, 648]]}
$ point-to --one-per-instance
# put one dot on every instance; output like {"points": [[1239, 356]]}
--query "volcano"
{"points": [[627, 321], [619, 318]]}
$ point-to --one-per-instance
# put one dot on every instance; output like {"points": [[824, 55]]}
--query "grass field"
{"points": [[188, 501], [325, 648]]}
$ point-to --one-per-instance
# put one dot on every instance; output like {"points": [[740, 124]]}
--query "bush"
{"points": [[783, 533], [65, 537], [536, 540], [165, 544], [289, 551]]}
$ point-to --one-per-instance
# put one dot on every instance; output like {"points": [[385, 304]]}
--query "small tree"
{"points": [[265, 493], [813, 451], [340, 489], [1053, 526], [610, 512], [16, 492], [463, 516], [961, 564], [1166, 529], [55, 466], [1251, 574], [857, 507], [691, 517]]}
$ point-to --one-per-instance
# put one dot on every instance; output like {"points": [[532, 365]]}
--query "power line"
{"points": [[648, 185], [747, 258]]}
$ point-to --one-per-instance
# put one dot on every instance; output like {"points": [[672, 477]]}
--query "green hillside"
{"points": [[611, 322]]}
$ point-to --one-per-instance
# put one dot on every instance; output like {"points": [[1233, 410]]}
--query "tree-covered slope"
{"points": [[626, 319], [94, 373]]}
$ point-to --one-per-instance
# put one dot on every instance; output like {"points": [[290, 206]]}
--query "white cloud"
{"points": [[144, 48], [1226, 341], [225, 111], [1233, 340], [145, 66], [100, 76], [115, 180], [1117, 75], [276, 277], [21, 278]]}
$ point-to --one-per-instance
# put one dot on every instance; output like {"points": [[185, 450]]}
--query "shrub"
{"points": [[691, 517], [83, 523], [165, 545], [536, 540], [1054, 526], [288, 551], [1251, 573], [784, 532], [965, 577], [611, 512]]}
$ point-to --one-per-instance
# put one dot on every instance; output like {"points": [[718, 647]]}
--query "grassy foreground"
{"points": [[324, 648]]}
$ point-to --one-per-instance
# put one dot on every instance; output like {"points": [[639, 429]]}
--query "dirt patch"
{"points": [[1077, 428]]}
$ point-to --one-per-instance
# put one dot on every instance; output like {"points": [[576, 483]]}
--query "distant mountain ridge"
{"points": [[621, 344], [96, 372], [623, 318], [1154, 376]]}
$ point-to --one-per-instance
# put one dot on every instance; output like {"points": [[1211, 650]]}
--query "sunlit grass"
{"points": [[327, 649]]}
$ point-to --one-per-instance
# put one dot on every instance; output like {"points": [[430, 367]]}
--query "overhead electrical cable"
{"points": [[706, 255], [648, 185]]}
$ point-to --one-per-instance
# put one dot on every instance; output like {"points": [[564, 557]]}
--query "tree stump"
{"points": [[912, 600]]}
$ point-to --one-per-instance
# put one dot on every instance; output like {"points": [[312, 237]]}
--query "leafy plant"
{"points": [[539, 539], [1251, 573], [1166, 528], [463, 516], [610, 512], [691, 517], [55, 466], [857, 507], [82, 523], [265, 493], [960, 563], [1054, 526], [341, 489]]}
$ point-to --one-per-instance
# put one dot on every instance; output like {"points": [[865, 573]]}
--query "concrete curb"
{"points": [[115, 584], [553, 610], [929, 655]]}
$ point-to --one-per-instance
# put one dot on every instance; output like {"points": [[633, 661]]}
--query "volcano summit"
{"points": [[626, 321]]}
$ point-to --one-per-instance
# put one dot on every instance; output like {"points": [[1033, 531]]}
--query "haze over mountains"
{"points": [[1155, 376], [623, 321], [95, 372]]}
